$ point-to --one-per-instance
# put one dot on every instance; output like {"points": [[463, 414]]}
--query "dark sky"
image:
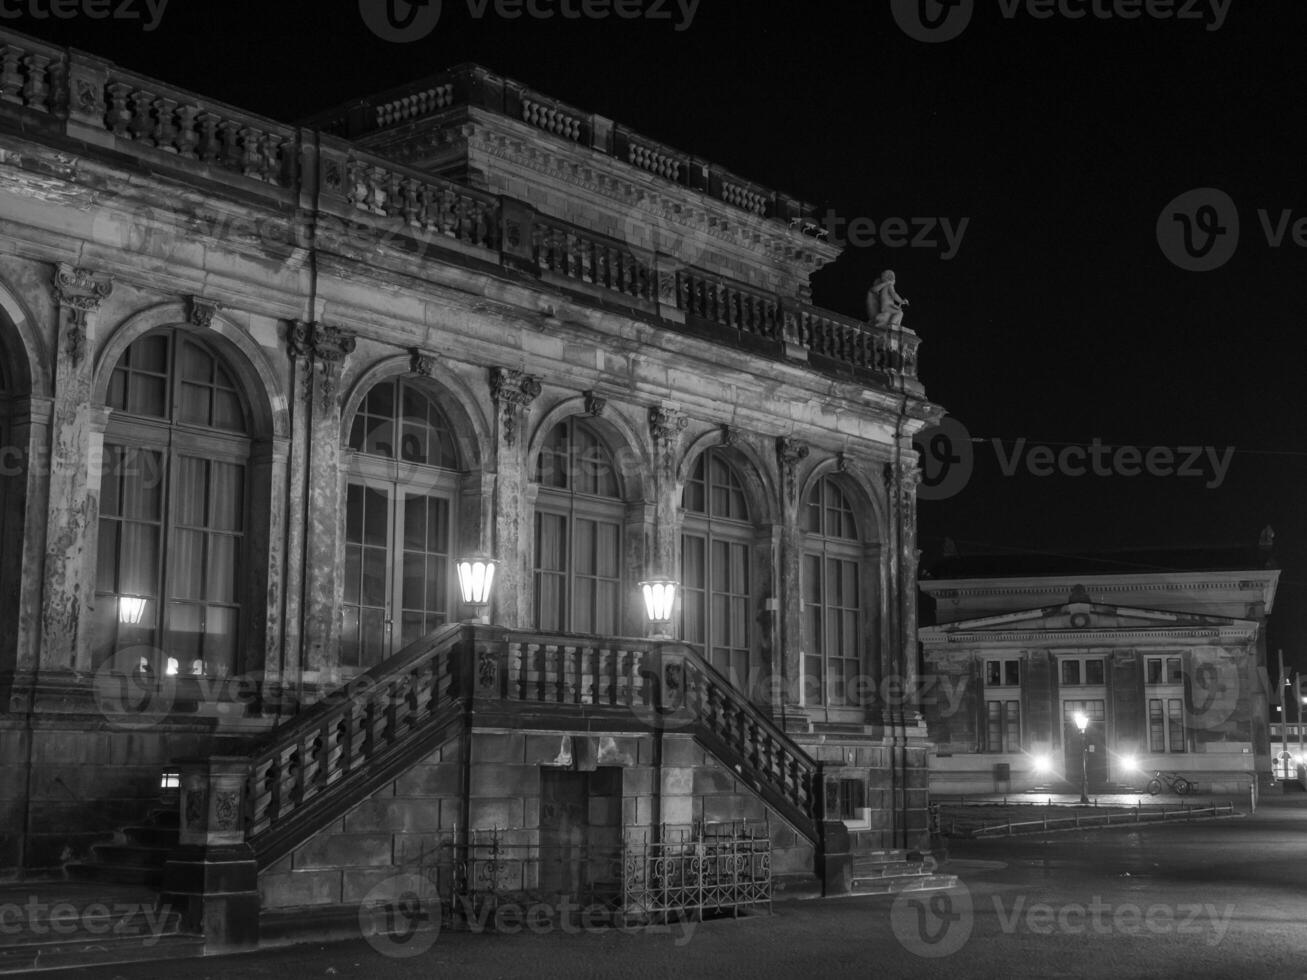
{"points": [[1060, 140]]}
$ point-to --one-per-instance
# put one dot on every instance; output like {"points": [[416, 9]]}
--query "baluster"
{"points": [[229, 157], [411, 203], [36, 93], [11, 79], [165, 133], [142, 126], [210, 147], [541, 663], [186, 136]]}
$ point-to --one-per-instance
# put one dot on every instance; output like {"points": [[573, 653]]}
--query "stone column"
{"points": [[29, 491], [512, 392], [322, 349], [212, 878], [72, 514], [789, 453]]}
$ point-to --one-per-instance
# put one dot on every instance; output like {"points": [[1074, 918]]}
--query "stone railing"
{"points": [[728, 304], [585, 257], [429, 206], [664, 686], [847, 341], [391, 203], [377, 715]]}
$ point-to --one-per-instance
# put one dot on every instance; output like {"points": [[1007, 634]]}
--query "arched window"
{"points": [[578, 534], [716, 558], [832, 595], [11, 457], [173, 508], [403, 483]]}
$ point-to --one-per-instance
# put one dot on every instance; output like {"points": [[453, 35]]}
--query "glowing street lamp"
{"points": [[659, 600], [476, 575], [1082, 722]]}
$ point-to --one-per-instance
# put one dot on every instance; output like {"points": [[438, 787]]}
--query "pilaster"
{"points": [[71, 514], [789, 453], [512, 393]]}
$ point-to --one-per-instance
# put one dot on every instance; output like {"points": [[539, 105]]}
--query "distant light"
{"points": [[1043, 763], [170, 780], [171, 669], [1130, 763], [1081, 720]]}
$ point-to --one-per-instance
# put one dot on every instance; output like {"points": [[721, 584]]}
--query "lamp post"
{"points": [[1082, 722], [659, 600], [476, 575]]}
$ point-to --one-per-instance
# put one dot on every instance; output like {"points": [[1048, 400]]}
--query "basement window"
{"points": [[846, 799]]}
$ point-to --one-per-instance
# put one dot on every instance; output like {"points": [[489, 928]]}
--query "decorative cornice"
{"points": [[324, 346]]}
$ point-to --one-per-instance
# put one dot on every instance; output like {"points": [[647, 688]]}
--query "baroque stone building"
{"points": [[1162, 653], [263, 384]]}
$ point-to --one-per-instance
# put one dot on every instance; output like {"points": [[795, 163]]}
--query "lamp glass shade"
{"points": [[659, 598], [1082, 720], [130, 609], [475, 577]]}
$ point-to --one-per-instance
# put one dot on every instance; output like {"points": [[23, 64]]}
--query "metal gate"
{"points": [[715, 869]]}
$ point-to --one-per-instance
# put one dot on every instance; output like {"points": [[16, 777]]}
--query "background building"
{"points": [[262, 386], [1169, 667]]}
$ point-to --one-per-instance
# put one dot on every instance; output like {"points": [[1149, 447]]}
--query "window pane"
{"points": [[992, 672], [1093, 672], [1012, 669], [1154, 670], [1174, 672], [186, 563], [1071, 672], [192, 483], [1156, 732], [138, 569]]}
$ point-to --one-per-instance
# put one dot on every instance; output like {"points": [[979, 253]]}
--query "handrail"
{"points": [[340, 736]]}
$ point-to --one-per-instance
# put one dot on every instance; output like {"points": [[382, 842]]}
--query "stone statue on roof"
{"points": [[884, 304]]}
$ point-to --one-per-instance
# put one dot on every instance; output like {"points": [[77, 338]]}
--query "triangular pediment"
{"points": [[1087, 617]]}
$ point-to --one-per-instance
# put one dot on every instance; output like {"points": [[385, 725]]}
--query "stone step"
{"points": [[893, 884], [884, 869], [119, 874], [138, 855], [152, 836], [76, 951]]}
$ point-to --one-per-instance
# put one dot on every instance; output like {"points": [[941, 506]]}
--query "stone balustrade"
{"points": [[394, 203]]}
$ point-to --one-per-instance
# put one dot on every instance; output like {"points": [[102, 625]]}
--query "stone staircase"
{"points": [[55, 925], [136, 856], [892, 871]]}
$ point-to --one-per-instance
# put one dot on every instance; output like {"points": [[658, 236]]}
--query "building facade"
{"points": [[1166, 668], [263, 384]]}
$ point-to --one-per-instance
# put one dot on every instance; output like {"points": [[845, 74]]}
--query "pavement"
{"points": [[1211, 899]]}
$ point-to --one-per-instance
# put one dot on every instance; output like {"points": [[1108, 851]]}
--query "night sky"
{"points": [[1060, 141]]}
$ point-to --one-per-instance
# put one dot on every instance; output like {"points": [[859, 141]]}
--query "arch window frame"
{"points": [[390, 486], [718, 581], [578, 569], [201, 538], [834, 589]]}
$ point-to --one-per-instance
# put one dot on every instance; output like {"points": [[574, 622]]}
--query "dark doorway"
{"points": [[1094, 743], [580, 834]]}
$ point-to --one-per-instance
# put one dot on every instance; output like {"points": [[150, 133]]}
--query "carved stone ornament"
{"points": [[730, 435], [790, 452], [512, 391], [422, 363], [196, 814], [79, 292], [325, 346], [595, 404], [202, 311], [666, 424], [226, 809]]}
